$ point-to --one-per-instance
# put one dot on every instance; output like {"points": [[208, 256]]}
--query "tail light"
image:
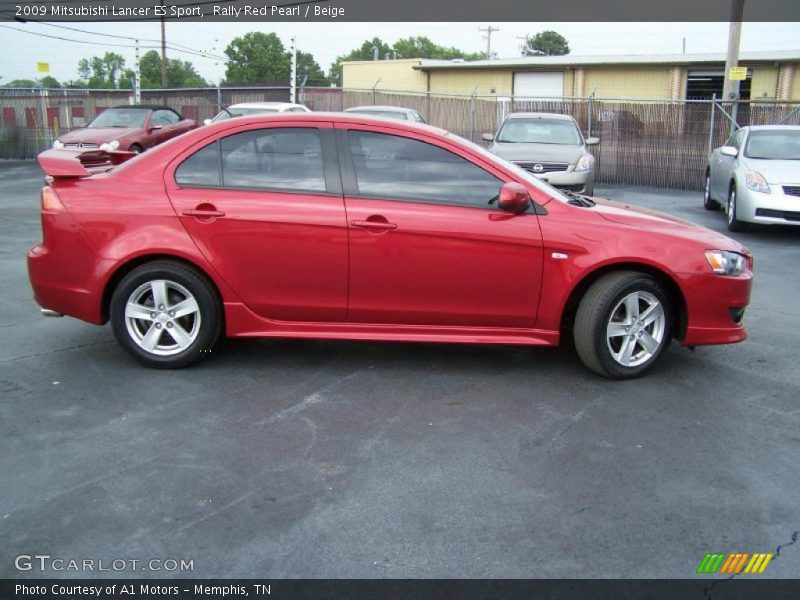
{"points": [[51, 203]]}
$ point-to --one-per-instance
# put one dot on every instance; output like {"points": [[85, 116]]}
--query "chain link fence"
{"points": [[659, 143]]}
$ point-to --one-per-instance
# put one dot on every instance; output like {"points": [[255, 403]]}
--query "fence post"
{"points": [[589, 119], [471, 113], [374, 91], [48, 138], [219, 98], [711, 127]]}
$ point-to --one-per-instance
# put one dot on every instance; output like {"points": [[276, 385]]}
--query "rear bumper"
{"points": [[712, 305]]}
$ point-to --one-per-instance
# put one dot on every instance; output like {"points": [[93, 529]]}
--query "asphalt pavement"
{"points": [[304, 459]]}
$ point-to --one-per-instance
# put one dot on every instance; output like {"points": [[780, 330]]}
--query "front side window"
{"points": [[164, 117], [735, 140], [390, 166], [540, 131]]}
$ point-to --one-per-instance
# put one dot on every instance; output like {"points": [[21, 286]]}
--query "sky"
{"points": [[328, 40]]}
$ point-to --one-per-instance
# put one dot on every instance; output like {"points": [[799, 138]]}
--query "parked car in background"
{"points": [[755, 176], [256, 108], [132, 128], [335, 225], [397, 113], [549, 145]]}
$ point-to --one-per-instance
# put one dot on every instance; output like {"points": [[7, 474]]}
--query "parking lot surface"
{"points": [[295, 459]]}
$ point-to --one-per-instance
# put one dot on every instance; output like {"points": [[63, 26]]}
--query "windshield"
{"points": [[539, 131], [521, 173], [386, 114], [241, 112], [774, 144], [120, 117]]}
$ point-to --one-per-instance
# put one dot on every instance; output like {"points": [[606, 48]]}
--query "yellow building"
{"points": [[770, 76]]}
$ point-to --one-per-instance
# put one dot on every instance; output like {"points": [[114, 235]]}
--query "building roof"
{"points": [[569, 60]]}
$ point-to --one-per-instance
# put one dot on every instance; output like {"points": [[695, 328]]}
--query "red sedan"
{"points": [[127, 128], [348, 227]]}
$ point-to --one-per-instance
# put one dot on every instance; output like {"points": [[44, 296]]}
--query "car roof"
{"points": [[263, 105], [145, 106], [772, 127], [380, 108], [326, 117], [540, 115]]}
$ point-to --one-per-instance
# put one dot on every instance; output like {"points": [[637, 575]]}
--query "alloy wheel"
{"points": [[636, 329]]}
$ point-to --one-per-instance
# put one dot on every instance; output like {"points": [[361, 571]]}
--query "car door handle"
{"points": [[382, 225], [203, 213]]}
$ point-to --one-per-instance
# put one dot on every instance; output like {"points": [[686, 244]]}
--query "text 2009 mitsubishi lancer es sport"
{"points": [[350, 227]]}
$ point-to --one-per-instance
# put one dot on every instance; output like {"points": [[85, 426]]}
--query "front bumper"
{"points": [[714, 308], [775, 208], [579, 181]]}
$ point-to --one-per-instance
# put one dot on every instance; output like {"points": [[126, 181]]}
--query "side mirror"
{"points": [[592, 141], [513, 198], [729, 151], [206, 121], [487, 137]]}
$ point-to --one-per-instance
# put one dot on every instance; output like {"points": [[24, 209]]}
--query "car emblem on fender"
{"points": [[537, 168]]}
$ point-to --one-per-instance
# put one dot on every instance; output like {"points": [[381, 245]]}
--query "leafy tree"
{"points": [[423, 47], [257, 57], [101, 72], [20, 83], [306, 65], [364, 52], [180, 73], [545, 43]]}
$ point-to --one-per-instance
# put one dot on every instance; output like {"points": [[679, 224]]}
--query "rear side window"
{"points": [[287, 159], [390, 166], [201, 168], [164, 117]]}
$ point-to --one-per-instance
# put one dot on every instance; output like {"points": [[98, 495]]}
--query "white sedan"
{"points": [[256, 108]]}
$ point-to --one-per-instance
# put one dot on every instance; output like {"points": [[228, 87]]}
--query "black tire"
{"points": [[602, 306], [734, 224], [199, 329], [136, 149], [708, 202]]}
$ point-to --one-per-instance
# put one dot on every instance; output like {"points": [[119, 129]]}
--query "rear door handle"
{"points": [[200, 213], [374, 225]]}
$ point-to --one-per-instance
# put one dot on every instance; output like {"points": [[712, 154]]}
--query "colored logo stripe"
{"points": [[734, 562]]}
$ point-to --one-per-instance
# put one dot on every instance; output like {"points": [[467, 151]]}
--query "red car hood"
{"points": [[98, 135], [652, 220]]}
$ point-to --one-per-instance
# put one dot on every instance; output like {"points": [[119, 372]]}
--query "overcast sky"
{"points": [[327, 40]]}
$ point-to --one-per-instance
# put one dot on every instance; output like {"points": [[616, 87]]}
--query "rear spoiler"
{"points": [[76, 164]]}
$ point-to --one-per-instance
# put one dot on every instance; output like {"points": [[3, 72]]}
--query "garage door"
{"points": [[539, 85]]}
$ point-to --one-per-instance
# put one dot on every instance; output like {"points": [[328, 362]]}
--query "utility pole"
{"points": [[293, 74], [137, 83], [730, 89], [488, 30], [525, 40], [164, 81]]}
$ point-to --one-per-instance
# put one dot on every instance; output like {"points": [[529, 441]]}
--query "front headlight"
{"points": [[756, 182], [58, 144], [109, 146], [725, 263], [585, 163]]}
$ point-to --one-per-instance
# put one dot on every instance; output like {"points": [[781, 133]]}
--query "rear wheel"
{"points": [[734, 224], [166, 315], [708, 202], [622, 325]]}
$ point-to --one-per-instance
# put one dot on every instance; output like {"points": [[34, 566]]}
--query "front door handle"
{"points": [[375, 223]]}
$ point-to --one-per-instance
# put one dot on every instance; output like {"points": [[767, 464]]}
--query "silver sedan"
{"points": [[755, 176]]}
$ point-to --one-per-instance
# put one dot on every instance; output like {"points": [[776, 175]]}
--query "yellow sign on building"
{"points": [[738, 73], [43, 67]]}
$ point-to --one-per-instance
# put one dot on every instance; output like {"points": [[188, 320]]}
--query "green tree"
{"points": [[423, 47], [306, 65], [21, 83], [180, 73], [545, 43], [101, 72], [364, 52], [257, 57]]}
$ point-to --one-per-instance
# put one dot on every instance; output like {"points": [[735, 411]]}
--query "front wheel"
{"points": [[166, 315], [622, 325], [734, 224]]}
